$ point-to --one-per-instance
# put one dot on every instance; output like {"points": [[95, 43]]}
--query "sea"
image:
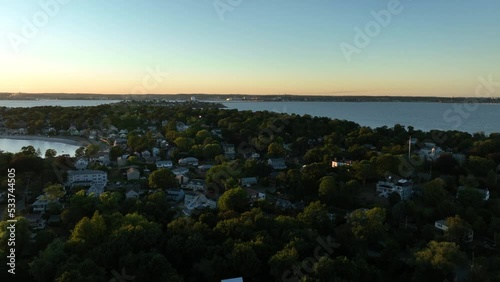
{"points": [[467, 117]]}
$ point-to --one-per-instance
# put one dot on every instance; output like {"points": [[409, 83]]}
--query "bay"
{"points": [[470, 118], [15, 145]]}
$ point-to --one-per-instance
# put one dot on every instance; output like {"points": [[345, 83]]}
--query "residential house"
{"points": [[176, 195], [277, 163], [403, 187], [156, 152], [199, 201], [54, 220], [442, 225], [96, 190], [41, 204], [164, 164], [248, 181], [204, 168], [237, 279], [283, 204], [73, 131], [132, 194], [180, 170], [336, 163], [430, 152], [485, 193], [189, 161], [146, 154], [120, 142], [229, 151], [36, 221], [81, 163], [195, 185], [254, 195], [133, 174]]}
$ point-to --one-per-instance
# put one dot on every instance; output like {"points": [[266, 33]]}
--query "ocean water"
{"points": [[424, 116], [470, 118], [14, 146]]}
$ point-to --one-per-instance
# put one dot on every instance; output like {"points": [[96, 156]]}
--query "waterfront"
{"points": [[421, 115], [60, 145]]}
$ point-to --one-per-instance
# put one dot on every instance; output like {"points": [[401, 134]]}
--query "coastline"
{"points": [[70, 140]]}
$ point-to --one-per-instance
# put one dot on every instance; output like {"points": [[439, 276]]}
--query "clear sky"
{"points": [[427, 48]]}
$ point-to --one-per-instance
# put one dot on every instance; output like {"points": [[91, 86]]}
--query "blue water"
{"points": [[424, 116], [14, 146]]}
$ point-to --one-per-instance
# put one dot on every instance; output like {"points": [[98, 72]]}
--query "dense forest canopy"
{"points": [[332, 232]]}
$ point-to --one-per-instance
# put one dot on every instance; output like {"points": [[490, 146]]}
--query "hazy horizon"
{"points": [[240, 47]]}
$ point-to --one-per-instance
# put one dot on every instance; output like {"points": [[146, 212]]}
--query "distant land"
{"points": [[244, 97]]}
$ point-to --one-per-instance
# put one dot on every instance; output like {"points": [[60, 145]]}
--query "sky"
{"points": [[321, 47]]}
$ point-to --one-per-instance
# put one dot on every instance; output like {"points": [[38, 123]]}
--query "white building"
{"points": [[87, 178], [403, 187]]}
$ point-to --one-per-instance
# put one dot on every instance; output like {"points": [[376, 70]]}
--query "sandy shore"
{"points": [[71, 140]]}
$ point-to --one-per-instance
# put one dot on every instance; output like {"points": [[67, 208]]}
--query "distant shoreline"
{"points": [[59, 139]]}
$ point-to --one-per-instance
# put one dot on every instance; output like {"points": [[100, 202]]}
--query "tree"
{"points": [[315, 215], [233, 199], [115, 152], [275, 150], [368, 224], [283, 261], [327, 189], [28, 151], [434, 192], [211, 150], [162, 179], [183, 143], [44, 266], [91, 150], [50, 153], [89, 232], [54, 192], [80, 152], [442, 256], [457, 230]]}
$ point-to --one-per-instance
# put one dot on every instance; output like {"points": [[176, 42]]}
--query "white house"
{"points": [[81, 163], [403, 187], [189, 161], [277, 163], [175, 194], [199, 201], [164, 164], [41, 204], [95, 190], [229, 150], [180, 170], [442, 225], [133, 174], [339, 164], [485, 193], [195, 185], [131, 194]]}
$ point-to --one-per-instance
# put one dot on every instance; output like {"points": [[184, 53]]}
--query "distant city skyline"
{"points": [[399, 48]]}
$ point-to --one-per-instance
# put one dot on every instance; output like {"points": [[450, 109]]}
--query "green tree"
{"points": [[80, 152], [434, 192], [275, 150], [368, 224], [54, 192], [50, 153], [457, 229], [327, 189], [162, 179], [44, 266], [28, 151], [115, 152], [89, 232], [91, 150], [211, 150], [444, 257], [233, 199], [315, 215]]}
